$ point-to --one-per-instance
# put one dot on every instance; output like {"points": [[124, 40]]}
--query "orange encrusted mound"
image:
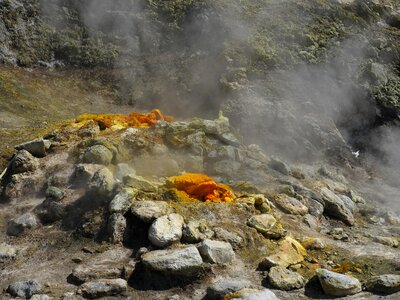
{"points": [[201, 187], [134, 119]]}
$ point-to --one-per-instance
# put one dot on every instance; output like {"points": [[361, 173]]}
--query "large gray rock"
{"points": [[166, 230], [226, 286], [102, 182], [102, 288], [23, 162], [7, 253], [196, 231], [148, 211], [253, 294], [216, 252], [122, 201], [384, 284], [37, 147], [335, 207], [335, 284], [24, 289], [227, 236], [185, 262], [18, 226], [82, 274], [284, 279], [97, 154], [291, 205]]}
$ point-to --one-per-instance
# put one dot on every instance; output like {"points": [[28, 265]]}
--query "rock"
{"points": [[229, 139], [148, 211], [140, 183], [97, 154], [392, 218], [223, 152], [116, 228], [185, 262], [82, 274], [267, 225], [226, 236], [289, 252], [315, 208], [291, 205], [23, 162], [378, 73], [85, 172], [216, 252], [384, 284], [37, 147], [336, 207], [335, 284], [7, 253], [102, 288], [122, 201], [102, 182], [226, 286], [350, 204], [313, 244], [311, 221], [18, 226], [40, 297], [253, 294], [71, 296], [54, 193], [123, 170], [196, 231], [24, 289], [284, 279], [388, 241], [166, 230], [278, 165]]}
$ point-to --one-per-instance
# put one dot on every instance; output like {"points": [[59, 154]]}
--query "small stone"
{"points": [[185, 262], [166, 230], [388, 241], [226, 286], [18, 226], [385, 284], [24, 289], [196, 231], [140, 183], [226, 236], [77, 260], [23, 162], [54, 193], [97, 154], [335, 284], [148, 211], [291, 205], [279, 166], [216, 252], [313, 244], [284, 279], [7, 253], [116, 228], [102, 288], [37, 147], [253, 294]]}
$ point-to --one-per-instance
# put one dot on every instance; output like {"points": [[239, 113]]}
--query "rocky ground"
{"points": [[95, 210]]}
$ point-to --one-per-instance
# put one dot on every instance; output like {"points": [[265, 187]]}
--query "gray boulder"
{"points": [[148, 211], [196, 231], [24, 289], [102, 182], [7, 253], [37, 147], [267, 225], [291, 205], [122, 201], [166, 230], [23, 162], [185, 262], [226, 286], [216, 252], [227, 236], [102, 288], [336, 207], [284, 279], [335, 284], [18, 226], [384, 284], [97, 154]]}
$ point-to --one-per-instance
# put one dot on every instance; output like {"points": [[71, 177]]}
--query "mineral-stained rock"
{"points": [[7, 253], [17, 226], [102, 182], [116, 228], [227, 236], [336, 207], [148, 211], [253, 294], [23, 162], [385, 284], [289, 252], [82, 274], [24, 289], [313, 244], [196, 231], [267, 225], [140, 183], [37, 147], [102, 288], [335, 284], [166, 230], [216, 252], [291, 205], [226, 286], [122, 201], [185, 262], [97, 154], [284, 279]]}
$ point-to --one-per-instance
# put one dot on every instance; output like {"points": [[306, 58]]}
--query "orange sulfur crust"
{"points": [[201, 187], [134, 119]]}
